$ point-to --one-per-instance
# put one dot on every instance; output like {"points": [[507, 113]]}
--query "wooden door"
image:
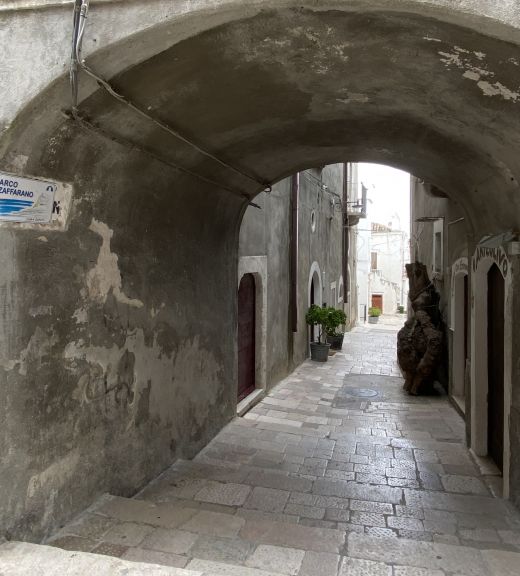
{"points": [[313, 328], [466, 331], [496, 299], [466, 319], [246, 336], [377, 301]]}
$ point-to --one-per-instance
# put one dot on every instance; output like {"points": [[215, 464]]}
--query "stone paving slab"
{"points": [[457, 559]]}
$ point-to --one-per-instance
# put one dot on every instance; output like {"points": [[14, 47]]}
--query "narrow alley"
{"points": [[336, 472]]}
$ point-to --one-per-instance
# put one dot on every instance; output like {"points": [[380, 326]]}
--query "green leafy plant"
{"points": [[317, 316], [374, 312], [336, 318]]}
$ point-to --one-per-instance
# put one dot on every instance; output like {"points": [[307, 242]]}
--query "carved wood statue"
{"points": [[420, 341]]}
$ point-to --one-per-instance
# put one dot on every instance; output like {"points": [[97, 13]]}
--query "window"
{"points": [[373, 257]]}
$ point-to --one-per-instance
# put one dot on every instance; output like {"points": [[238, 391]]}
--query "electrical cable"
{"points": [[81, 8], [83, 122]]}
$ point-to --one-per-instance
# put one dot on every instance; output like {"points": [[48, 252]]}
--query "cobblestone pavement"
{"points": [[336, 473]]}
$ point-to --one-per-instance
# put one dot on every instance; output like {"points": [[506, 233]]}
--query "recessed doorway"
{"points": [[246, 336], [496, 300]]}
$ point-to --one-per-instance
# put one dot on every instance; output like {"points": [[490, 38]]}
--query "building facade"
{"points": [[389, 253], [291, 255], [475, 276]]}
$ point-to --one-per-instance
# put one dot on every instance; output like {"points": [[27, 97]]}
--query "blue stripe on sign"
{"points": [[12, 206], [14, 201]]}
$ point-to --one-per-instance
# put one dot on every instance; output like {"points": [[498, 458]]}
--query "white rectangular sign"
{"points": [[26, 199]]}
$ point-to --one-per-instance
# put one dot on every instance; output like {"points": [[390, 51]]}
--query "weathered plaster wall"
{"points": [[113, 362]]}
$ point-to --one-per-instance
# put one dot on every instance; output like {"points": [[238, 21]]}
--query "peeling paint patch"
{"points": [[471, 75], [354, 99], [39, 347], [57, 474], [451, 59], [462, 59], [105, 277], [318, 47], [40, 311], [20, 162], [498, 89], [81, 316]]}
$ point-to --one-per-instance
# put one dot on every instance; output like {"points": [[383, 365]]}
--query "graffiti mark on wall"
{"points": [[497, 255]]}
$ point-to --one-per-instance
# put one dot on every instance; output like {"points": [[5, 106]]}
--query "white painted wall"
{"points": [[363, 267], [391, 249]]}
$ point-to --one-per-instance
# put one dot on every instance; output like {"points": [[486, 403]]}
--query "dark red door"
{"points": [[466, 318], [246, 336], [496, 299], [377, 301]]}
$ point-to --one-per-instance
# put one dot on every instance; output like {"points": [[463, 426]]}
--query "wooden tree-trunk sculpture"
{"points": [[420, 341]]}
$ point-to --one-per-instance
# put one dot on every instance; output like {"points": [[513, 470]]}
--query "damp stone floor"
{"points": [[337, 472]]}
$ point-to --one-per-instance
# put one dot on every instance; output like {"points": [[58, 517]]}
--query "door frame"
{"points": [[482, 261], [317, 288], [459, 272], [257, 266]]}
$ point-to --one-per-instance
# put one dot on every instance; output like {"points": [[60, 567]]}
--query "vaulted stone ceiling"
{"points": [[292, 88]]}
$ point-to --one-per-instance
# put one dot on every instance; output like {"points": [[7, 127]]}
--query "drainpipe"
{"points": [[345, 242], [295, 189]]}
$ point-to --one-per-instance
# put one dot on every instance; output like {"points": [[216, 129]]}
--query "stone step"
{"points": [[115, 524], [212, 543], [199, 540], [23, 559], [210, 481]]}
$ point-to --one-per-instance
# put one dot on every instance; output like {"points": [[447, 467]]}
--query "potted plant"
{"points": [[336, 318], [317, 316], [373, 315], [400, 309]]}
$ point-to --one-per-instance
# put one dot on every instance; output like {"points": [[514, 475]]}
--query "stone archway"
{"points": [[315, 293], [266, 93]]}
